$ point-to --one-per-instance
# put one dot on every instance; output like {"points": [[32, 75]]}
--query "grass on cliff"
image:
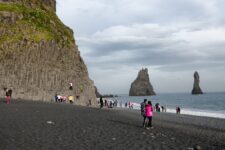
{"points": [[38, 24]]}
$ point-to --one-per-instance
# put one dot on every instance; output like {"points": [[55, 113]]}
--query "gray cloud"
{"points": [[154, 48], [166, 36]]}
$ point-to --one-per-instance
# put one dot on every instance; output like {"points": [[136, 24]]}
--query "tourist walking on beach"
{"points": [[56, 97], [115, 103], [143, 104], [126, 104], [178, 110], [7, 94], [149, 114], [157, 107], [106, 103], [111, 104], [101, 102]]}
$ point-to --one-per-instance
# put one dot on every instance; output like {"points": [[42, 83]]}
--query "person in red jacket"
{"points": [[7, 94]]}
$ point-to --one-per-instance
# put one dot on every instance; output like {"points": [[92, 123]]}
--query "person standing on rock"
{"points": [[71, 86], [143, 104], [71, 99], [115, 103], [101, 102]]}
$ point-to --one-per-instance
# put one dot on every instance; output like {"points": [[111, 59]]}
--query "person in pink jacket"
{"points": [[149, 113]]}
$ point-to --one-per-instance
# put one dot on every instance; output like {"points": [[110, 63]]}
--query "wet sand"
{"points": [[49, 126]]}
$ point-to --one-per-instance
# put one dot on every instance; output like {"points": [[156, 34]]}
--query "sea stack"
{"points": [[196, 87], [142, 86], [38, 54]]}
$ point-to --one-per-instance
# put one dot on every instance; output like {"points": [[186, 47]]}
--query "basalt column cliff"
{"points": [[38, 54]]}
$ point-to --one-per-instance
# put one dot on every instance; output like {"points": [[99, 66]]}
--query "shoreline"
{"points": [[201, 121], [192, 112], [209, 105], [184, 111]]}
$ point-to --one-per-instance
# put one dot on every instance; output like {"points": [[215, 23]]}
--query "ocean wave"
{"points": [[205, 113]]}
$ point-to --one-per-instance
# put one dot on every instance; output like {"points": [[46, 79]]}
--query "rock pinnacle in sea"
{"points": [[196, 86], [141, 86]]}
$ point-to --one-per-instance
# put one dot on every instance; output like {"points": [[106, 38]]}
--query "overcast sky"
{"points": [[172, 38]]}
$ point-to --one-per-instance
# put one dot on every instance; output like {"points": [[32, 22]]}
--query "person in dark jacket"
{"points": [[143, 104], [10, 93], [178, 110], [101, 102]]}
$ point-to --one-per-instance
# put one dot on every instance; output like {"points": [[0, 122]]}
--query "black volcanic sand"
{"points": [[23, 125]]}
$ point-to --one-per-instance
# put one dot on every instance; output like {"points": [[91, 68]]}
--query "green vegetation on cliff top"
{"points": [[36, 25]]}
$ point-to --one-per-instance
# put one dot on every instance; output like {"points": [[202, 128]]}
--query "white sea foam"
{"points": [[194, 112], [208, 105], [205, 113]]}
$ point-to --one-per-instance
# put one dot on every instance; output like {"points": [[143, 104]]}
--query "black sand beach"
{"points": [[48, 126]]}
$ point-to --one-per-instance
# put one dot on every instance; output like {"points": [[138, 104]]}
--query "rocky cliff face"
{"points": [[38, 54], [42, 4], [196, 86], [98, 95], [141, 86]]}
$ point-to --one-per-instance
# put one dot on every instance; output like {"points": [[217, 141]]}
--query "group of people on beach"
{"points": [[147, 113], [129, 105], [64, 99], [108, 103], [159, 108]]}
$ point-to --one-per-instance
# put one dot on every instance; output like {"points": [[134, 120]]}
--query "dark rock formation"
{"points": [[141, 86], [38, 53], [196, 87], [98, 95]]}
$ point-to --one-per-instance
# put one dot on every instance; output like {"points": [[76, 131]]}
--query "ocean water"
{"points": [[208, 104]]}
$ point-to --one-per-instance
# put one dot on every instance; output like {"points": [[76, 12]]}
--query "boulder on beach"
{"points": [[196, 87], [38, 53], [142, 86]]}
